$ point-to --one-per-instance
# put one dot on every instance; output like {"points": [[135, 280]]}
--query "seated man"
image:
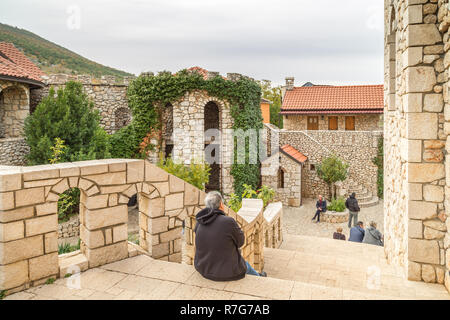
{"points": [[373, 235], [357, 233], [321, 206], [338, 235], [217, 241]]}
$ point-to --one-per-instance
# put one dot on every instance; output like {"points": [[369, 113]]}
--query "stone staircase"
{"points": [[365, 197], [305, 268]]}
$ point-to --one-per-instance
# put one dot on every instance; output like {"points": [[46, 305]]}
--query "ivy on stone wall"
{"points": [[147, 94], [379, 162]]}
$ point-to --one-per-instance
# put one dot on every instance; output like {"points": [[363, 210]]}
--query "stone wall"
{"points": [[273, 224], [416, 89], [69, 228], [29, 222], [108, 94], [13, 151], [357, 148], [363, 122]]}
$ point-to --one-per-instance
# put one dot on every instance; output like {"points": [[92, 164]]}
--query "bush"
{"points": [[68, 204], [235, 202], [70, 117], [337, 205], [67, 248], [196, 174], [265, 193]]}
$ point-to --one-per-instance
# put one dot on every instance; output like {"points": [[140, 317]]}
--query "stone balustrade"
{"points": [[273, 234], [29, 221]]}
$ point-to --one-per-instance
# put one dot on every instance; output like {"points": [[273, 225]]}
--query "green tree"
{"points": [[332, 170], [273, 94], [69, 116]]}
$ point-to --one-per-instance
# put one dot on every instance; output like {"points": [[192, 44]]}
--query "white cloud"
{"points": [[323, 41]]}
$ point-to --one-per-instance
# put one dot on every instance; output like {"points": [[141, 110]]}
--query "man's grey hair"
{"points": [[213, 200]]}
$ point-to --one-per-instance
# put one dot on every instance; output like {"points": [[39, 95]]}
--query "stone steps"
{"points": [[373, 202], [344, 270]]}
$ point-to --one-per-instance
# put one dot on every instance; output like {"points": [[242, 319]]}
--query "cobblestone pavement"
{"points": [[297, 221]]}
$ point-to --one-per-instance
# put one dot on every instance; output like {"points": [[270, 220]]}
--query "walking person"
{"points": [[321, 206], [373, 236], [352, 205]]}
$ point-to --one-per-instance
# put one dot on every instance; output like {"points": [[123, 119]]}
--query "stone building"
{"points": [[320, 121], [18, 75], [417, 175]]}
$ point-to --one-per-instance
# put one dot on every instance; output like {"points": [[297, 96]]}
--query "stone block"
{"points": [[92, 239], [41, 225], [107, 179], [6, 200], [120, 233], [47, 208], [414, 271], [191, 195], [108, 236], [100, 218], [433, 193], [432, 234], [170, 235], [158, 225], [152, 207], [10, 182], [155, 174], [425, 251], [422, 210], [92, 191], [113, 200], [21, 249], [436, 224], [174, 201], [118, 166], [44, 266], [411, 151], [422, 35], [163, 188], [415, 191], [41, 183], [412, 102], [160, 250], [175, 184], [72, 265], [428, 273], [433, 103], [40, 173], [415, 229], [422, 125], [13, 275], [108, 254], [61, 186], [135, 171], [51, 242], [17, 214], [96, 202], [425, 172], [132, 190], [85, 184], [94, 168], [11, 231], [28, 197], [412, 56]]}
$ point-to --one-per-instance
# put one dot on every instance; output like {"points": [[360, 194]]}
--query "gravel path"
{"points": [[298, 220]]}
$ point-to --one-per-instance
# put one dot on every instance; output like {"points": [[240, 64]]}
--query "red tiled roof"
{"points": [[293, 153], [13, 63], [329, 99]]}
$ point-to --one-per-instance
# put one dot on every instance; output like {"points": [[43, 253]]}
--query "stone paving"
{"points": [[297, 220]]}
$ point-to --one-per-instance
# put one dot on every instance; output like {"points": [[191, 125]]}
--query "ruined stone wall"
{"points": [[108, 94], [416, 87], [13, 151], [363, 122]]}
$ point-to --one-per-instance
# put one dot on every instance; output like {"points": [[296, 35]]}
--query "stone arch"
{"points": [[122, 117], [14, 108]]}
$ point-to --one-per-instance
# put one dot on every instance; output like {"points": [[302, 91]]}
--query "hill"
{"points": [[52, 58]]}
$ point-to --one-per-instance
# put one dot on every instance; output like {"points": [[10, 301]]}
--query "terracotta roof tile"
{"points": [[14, 63], [339, 98], [293, 153]]}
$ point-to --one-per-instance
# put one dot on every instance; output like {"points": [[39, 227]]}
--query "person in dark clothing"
{"points": [[338, 235], [357, 233], [352, 205], [217, 242], [321, 206]]}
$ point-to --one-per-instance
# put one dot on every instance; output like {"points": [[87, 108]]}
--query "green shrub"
{"points": [[235, 202], [68, 204], [196, 174], [379, 162], [337, 205], [266, 194], [70, 117], [67, 247], [50, 281]]}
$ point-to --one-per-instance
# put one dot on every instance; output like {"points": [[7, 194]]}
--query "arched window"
{"points": [[281, 178]]}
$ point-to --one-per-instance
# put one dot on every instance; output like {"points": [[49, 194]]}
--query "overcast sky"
{"points": [[325, 42]]}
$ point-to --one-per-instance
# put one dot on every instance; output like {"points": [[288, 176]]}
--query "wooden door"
{"points": [[332, 123], [350, 123], [313, 123]]}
